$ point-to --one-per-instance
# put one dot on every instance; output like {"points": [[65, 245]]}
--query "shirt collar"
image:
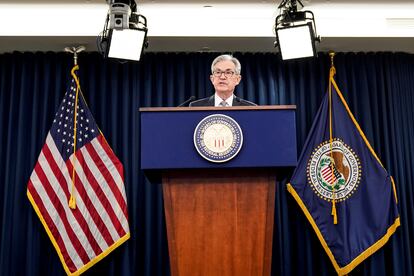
{"points": [[218, 100]]}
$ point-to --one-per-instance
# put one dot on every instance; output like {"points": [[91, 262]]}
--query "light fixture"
{"points": [[295, 31], [125, 32]]}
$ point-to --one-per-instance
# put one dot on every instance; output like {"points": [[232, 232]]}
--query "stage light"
{"points": [[295, 31], [125, 32]]}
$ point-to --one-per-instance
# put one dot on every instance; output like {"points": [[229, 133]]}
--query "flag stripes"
{"points": [[111, 176], [109, 204], [95, 208], [328, 175], [77, 230], [50, 209], [84, 212], [71, 225], [51, 225]]}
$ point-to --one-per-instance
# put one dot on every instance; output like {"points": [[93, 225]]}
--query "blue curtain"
{"points": [[379, 88]]}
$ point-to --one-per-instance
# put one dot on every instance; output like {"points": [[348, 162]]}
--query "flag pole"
{"points": [[331, 75], [75, 51]]}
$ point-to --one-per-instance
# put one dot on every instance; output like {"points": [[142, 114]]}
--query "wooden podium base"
{"points": [[219, 222]]}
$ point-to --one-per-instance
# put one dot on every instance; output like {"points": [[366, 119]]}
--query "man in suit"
{"points": [[225, 76]]}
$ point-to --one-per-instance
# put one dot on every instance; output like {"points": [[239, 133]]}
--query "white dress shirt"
{"points": [[218, 100]]}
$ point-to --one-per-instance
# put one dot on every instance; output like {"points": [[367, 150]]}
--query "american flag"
{"points": [[99, 223]]}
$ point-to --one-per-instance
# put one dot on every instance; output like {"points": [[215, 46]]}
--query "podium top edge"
{"points": [[208, 108]]}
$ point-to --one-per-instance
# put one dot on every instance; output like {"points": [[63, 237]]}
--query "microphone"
{"points": [[243, 101], [192, 98]]}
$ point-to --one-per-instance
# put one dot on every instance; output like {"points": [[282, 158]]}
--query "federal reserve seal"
{"points": [[339, 173], [218, 138]]}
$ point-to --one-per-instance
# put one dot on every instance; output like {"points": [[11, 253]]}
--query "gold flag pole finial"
{"points": [[332, 71], [332, 55], [75, 51]]}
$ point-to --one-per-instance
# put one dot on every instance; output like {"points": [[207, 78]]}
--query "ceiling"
{"points": [[204, 26]]}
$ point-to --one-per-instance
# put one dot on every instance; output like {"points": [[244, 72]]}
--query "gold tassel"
{"points": [[72, 202], [335, 217]]}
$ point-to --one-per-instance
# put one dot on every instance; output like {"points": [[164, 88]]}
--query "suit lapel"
{"points": [[236, 102], [211, 101]]}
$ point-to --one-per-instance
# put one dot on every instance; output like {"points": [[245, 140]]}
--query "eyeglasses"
{"points": [[227, 74]]}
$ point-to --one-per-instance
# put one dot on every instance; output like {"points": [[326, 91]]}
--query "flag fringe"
{"points": [[361, 257], [103, 254], [49, 233]]}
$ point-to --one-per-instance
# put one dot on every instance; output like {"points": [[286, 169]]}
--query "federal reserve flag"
{"points": [[77, 187], [342, 187]]}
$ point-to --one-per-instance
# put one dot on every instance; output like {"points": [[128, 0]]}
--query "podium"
{"points": [[219, 216]]}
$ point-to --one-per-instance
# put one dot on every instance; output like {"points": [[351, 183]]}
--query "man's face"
{"points": [[224, 78]]}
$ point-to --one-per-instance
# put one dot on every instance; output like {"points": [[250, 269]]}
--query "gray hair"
{"points": [[224, 58]]}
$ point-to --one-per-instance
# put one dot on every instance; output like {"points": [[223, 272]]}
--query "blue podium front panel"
{"points": [[167, 137]]}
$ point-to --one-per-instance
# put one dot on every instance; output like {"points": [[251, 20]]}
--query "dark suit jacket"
{"points": [[209, 101]]}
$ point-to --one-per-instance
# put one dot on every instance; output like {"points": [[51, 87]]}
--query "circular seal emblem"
{"points": [[218, 138], [339, 173]]}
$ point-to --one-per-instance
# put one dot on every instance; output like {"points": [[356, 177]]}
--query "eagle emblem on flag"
{"points": [[335, 175]]}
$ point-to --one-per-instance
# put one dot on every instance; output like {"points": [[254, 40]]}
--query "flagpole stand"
{"points": [[75, 51]]}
